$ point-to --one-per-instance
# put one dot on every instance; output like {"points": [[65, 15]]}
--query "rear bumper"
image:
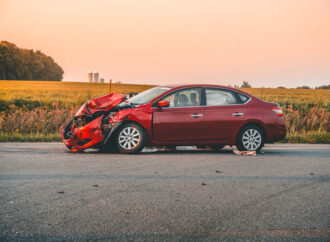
{"points": [[276, 131], [84, 137]]}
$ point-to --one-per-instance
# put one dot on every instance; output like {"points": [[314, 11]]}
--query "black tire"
{"points": [[216, 147], [251, 138], [130, 139]]}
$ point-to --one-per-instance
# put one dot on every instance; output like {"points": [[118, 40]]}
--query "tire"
{"points": [[216, 147], [251, 138], [130, 139]]}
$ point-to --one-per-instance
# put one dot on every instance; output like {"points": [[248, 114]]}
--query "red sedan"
{"points": [[202, 115]]}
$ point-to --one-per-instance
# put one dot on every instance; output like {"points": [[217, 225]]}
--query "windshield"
{"points": [[148, 95]]}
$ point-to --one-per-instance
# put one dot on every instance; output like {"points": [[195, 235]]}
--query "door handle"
{"points": [[238, 114], [196, 115]]}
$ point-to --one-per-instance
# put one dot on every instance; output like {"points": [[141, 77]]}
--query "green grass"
{"points": [[309, 137], [29, 137]]}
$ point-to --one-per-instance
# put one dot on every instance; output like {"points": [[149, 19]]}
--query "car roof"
{"points": [[180, 86]]}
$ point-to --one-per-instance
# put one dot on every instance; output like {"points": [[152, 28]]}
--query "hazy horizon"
{"points": [[267, 43]]}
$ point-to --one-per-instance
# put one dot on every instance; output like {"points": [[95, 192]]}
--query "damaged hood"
{"points": [[104, 103]]}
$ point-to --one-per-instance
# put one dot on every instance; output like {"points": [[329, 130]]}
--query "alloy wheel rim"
{"points": [[251, 139], [129, 138]]}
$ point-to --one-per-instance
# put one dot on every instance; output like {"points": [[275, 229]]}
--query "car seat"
{"points": [[193, 99], [183, 100]]}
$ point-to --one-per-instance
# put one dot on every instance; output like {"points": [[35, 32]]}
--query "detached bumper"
{"points": [[82, 138]]}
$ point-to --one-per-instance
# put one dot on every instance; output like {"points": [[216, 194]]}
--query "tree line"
{"points": [[25, 64]]}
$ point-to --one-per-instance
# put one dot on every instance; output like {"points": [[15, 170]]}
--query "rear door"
{"points": [[223, 114], [182, 122]]}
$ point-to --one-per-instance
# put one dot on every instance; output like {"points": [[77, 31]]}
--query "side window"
{"points": [[215, 97], [243, 98], [185, 98]]}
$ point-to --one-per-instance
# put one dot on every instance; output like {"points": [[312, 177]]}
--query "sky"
{"points": [[268, 43]]}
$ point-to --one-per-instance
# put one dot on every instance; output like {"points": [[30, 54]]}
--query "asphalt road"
{"points": [[50, 194]]}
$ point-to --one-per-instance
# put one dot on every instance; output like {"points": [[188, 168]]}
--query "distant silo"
{"points": [[101, 80], [96, 77], [90, 76]]}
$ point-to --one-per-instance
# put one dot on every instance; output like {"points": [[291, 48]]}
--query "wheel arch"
{"points": [[124, 122], [255, 123]]}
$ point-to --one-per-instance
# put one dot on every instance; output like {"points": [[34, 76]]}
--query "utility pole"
{"points": [[110, 83]]}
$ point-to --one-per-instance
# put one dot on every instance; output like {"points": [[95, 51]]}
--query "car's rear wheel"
{"points": [[130, 139], [251, 138]]}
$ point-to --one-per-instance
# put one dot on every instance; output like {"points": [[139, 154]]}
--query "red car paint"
{"points": [[90, 134], [172, 126], [103, 103]]}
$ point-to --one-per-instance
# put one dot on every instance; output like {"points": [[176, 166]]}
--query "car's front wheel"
{"points": [[250, 138], [130, 139]]}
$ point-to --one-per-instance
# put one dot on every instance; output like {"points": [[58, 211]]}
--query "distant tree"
{"points": [[10, 60], [323, 87], [304, 87], [24, 64], [281, 87], [246, 85]]}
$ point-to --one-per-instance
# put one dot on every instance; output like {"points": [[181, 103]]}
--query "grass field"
{"points": [[35, 110], [63, 94]]}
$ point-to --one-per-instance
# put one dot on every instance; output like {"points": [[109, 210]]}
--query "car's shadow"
{"points": [[179, 151], [186, 151], [292, 152]]}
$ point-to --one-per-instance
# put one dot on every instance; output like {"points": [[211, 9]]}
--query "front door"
{"points": [[182, 121]]}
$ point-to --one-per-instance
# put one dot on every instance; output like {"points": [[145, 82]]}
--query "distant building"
{"points": [[90, 76], [96, 77], [101, 80]]}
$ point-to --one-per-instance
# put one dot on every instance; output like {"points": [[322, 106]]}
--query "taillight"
{"points": [[278, 111]]}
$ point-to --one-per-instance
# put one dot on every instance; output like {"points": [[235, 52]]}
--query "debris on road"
{"points": [[60, 192], [203, 184], [218, 171], [251, 153]]}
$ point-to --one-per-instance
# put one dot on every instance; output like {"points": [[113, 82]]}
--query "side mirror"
{"points": [[163, 104]]}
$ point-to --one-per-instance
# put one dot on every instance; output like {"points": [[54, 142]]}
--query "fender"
{"points": [[113, 129]]}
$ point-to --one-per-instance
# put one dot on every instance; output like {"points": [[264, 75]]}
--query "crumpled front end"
{"points": [[84, 137], [86, 129]]}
